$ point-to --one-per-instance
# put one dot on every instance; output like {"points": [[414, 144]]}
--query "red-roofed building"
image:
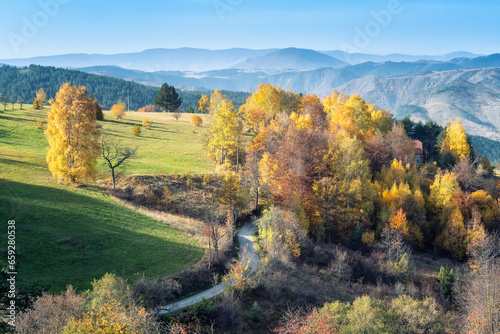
{"points": [[419, 151]]}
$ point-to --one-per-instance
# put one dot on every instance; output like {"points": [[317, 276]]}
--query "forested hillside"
{"points": [[16, 83]]}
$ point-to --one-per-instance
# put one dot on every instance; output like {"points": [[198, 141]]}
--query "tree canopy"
{"points": [[168, 98]]}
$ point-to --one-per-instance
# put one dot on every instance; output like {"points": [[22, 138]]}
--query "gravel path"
{"points": [[247, 247]]}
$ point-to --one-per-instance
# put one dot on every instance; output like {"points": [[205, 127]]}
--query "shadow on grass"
{"points": [[116, 240]]}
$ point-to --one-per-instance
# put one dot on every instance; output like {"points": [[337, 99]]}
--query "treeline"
{"points": [[190, 98], [16, 83], [22, 83]]}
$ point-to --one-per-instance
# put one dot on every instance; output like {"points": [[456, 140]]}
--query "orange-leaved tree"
{"points": [[72, 135]]}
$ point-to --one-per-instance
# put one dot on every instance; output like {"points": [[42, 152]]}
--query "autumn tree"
{"points": [[196, 120], [203, 104], [442, 189], [480, 295], [232, 195], [40, 98], [118, 111], [456, 141], [400, 146], [222, 140], [167, 98], [290, 101], [353, 191], [281, 234], [115, 156], [72, 135], [262, 106], [453, 235], [97, 110]]}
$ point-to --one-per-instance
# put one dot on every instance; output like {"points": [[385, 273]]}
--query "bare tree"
{"points": [[176, 116], [480, 293], [115, 156], [20, 102], [467, 176], [397, 255]]}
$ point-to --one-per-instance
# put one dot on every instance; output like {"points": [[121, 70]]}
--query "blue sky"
{"points": [[30, 28]]}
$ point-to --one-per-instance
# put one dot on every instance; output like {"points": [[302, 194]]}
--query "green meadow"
{"points": [[67, 235]]}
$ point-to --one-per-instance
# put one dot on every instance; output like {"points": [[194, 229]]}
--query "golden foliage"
{"points": [[109, 318], [443, 188], [203, 104], [456, 140], [118, 111], [39, 101], [146, 124], [136, 130], [196, 120], [72, 135]]}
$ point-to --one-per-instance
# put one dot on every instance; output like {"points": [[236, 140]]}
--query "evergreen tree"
{"points": [[168, 98]]}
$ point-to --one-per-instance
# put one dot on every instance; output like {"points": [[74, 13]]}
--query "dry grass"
{"points": [[189, 225]]}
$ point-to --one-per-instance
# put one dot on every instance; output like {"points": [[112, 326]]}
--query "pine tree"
{"points": [[167, 98]]}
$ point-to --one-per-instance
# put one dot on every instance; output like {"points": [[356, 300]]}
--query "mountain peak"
{"points": [[291, 59]]}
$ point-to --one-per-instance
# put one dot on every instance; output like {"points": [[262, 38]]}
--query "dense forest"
{"points": [[22, 83]]}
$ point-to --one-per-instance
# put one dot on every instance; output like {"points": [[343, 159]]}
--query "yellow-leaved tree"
{"points": [[118, 110], [72, 135], [224, 133], [456, 140], [203, 104], [39, 101]]}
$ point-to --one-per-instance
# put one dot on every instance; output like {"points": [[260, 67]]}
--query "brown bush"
{"points": [[155, 293], [50, 313]]}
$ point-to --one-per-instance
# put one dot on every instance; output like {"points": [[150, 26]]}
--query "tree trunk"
{"points": [[256, 198], [113, 175]]}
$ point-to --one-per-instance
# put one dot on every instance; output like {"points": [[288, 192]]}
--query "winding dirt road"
{"points": [[247, 247]]}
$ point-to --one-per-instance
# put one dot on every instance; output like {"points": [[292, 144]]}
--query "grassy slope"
{"points": [[101, 236], [168, 145]]}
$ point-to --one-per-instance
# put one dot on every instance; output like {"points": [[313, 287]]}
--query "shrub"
{"points": [[176, 116], [146, 123], [36, 104], [196, 120], [206, 179], [155, 293], [39, 124], [256, 312], [446, 279], [118, 111], [136, 130]]}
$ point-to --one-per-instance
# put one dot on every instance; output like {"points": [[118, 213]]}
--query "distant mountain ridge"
{"points": [[202, 60], [291, 59], [472, 95]]}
